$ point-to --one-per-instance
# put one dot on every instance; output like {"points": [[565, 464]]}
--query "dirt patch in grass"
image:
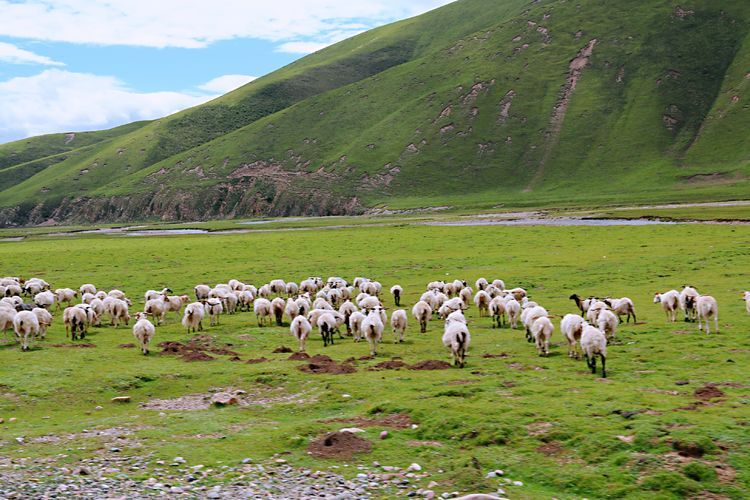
{"points": [[257, 361], [502, 355], [202, 401], [321, 364], [196, 349], [461, 382], [430, 364], [538, 428], [75, 346], [395, 421], [282, 350], [708, 392], [430, 444], [126, 346], [339, 445], [393, 364], [299, 356], [551, 448]]}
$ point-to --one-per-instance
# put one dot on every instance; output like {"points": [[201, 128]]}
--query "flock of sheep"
{"points": [[335, 303]]}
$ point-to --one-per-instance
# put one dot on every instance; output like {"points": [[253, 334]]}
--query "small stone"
{"points": [[162, 414], [414, 426], [346, 396], [384, 435], [247, 460], [20, 440], [280, 461], [352, 430], [46, 417], [115, 449], [433, 484], [626, 439], [12, 419], [176, 489], [517, 483], [428, 494], [500, 491], [97, 408], [2, 420], [82, 471], [121, 399], [179, 460], [499, 472], [224, 399], [414, 467]]}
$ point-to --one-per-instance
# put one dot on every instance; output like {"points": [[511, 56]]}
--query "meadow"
{"points": [[652, 429]]}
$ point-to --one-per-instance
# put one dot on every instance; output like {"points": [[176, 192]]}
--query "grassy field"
{"points": [[545, 421]]}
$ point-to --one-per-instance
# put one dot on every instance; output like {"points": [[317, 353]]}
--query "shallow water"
{"points": [[555, 221]]}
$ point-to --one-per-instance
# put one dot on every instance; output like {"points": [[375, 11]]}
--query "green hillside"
{"points": [[478, 103]]}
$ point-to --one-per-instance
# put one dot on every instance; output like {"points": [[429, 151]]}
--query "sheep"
{"points": [[236, 285], [596, 307], [278, 305], [44, 299], [688, 298], [529, 316], [174, 303], [346, 310], [262, 308], [497, 311], [86, 298], [482, 301], [278, 287], [571, 327], [101, 295], [117, 294], [513, 309], [292, 289], [369, 303], [65, 296], [87, 288], [32, 286], [396, 291], [583, 304], [75, 322], [192, 319], [706, 307], [308, 286], [422, 312], [117, 310], [265, 291], [245, 299], [326, 325], [201, 292], [669, 302], [607, 321], [355, 325], [156, 308], [434, 299], [482, 284], [153, 294], [143, 331], [372, 328], [91, 316], [623, 306], [398, 324], [593, 344], [7, 314], [45, 320], [26, 328], [542, 329], [457, 338], [214, 308], [98, 307], [499, 284], [13, 290], [518, 293], [466, 295], [301, 329], [456, 316], [303, 303], [322, 304], [746, 298]]}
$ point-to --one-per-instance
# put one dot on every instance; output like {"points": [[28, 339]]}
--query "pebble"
{"points": [[384, 435], [12, 419], [517, 483], [414, 467], [98, 408]]}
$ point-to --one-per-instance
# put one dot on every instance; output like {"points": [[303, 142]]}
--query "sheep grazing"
{"points": [[369, 303], [497, 311], [277, 287], [499, 284], [26, 328], [706, 308], [7, 314], [372, 329], [457, 338], [688, 298], [98, 307], [746, 298], [201, 293], [571, 327], [596, 307], [86, 298], [607, 321], [398, 324], [117, 310], [45, 299], [292, 289], [65, 296], [620, 307], [422, 312], [300, 329], [355, 325], [174, 303], [481, 284], [75, 322], [582, 304], [117, 294], [278, 305], [214, 308], [326, 325], [245, 299], [192, 319], [513, 309], [542, 329], [45, 320], [157, 309], [346, 310], [91, 316], [263, 310], [143, 331], [466, 295], [518, 293], [153, 294], [669, 302], [482, 301], [456, 316], [593, 344], [396, 291], [529, 315], [87, 288]]}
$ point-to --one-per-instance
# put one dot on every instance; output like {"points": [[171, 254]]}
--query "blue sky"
{"points": [[71, 65]]}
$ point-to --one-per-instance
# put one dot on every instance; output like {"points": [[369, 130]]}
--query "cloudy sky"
{"points": [[68, 65]]}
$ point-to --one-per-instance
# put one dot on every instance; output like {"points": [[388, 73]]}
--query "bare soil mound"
{"points": [[393, 364], [327, 367], [431, 364], [282, 350], [75, 346], [256, 361], [299, 356], [339, 445], [708, 391], [196, 349]]}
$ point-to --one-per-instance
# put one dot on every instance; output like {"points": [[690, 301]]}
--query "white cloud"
{"points": [[57, 100], [196, 23], [226, 83], [9, 53], [301, 47]]}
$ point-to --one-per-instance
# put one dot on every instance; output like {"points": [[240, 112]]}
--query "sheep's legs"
{"points": [[604, 368]]}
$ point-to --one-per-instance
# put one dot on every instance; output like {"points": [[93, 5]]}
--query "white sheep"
{"points": [[621, 307], [87, 288], [706, 308], [278, 305], [372, 328], [355, 324], [481, 284], [143, 331], [65, 296], [497, 311], [593, 344], [192, 319], [500, 284], [571, 327], [422, 312], [174, 303], [26, 328], [542, 329], [396, 291], [513, 309], [607, 322], [301, 329], [262, 309], [117, 310], [346, 310], [117, 294], [153, 294], [369, 303], [245, 299], [466, 295], [214, 308], [456, 316], [86, 298], [156, 308], [326, 325], [201, 292], [457, 338], [292, 289], [529, 315], [45, 320], [75, 320], [398, 324], [596, 307], [277, 286], [518, 293], [669, 302], [44, 299], [7, 313], [236, 285], [482, 301], [746, 298], [91, 316], [583, 304], [98, 307], [688, 298], [321, 303]]}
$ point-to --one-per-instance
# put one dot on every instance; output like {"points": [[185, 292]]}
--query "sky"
{"points": [[75, 65]]}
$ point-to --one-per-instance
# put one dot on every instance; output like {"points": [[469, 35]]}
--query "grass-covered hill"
{"points": [[481, 102]]}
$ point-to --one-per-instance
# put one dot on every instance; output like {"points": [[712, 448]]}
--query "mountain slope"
{"points": [[478, 102]]}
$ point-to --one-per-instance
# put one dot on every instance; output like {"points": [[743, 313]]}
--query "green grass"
{"points": [[656, 116], [496, 413]]}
